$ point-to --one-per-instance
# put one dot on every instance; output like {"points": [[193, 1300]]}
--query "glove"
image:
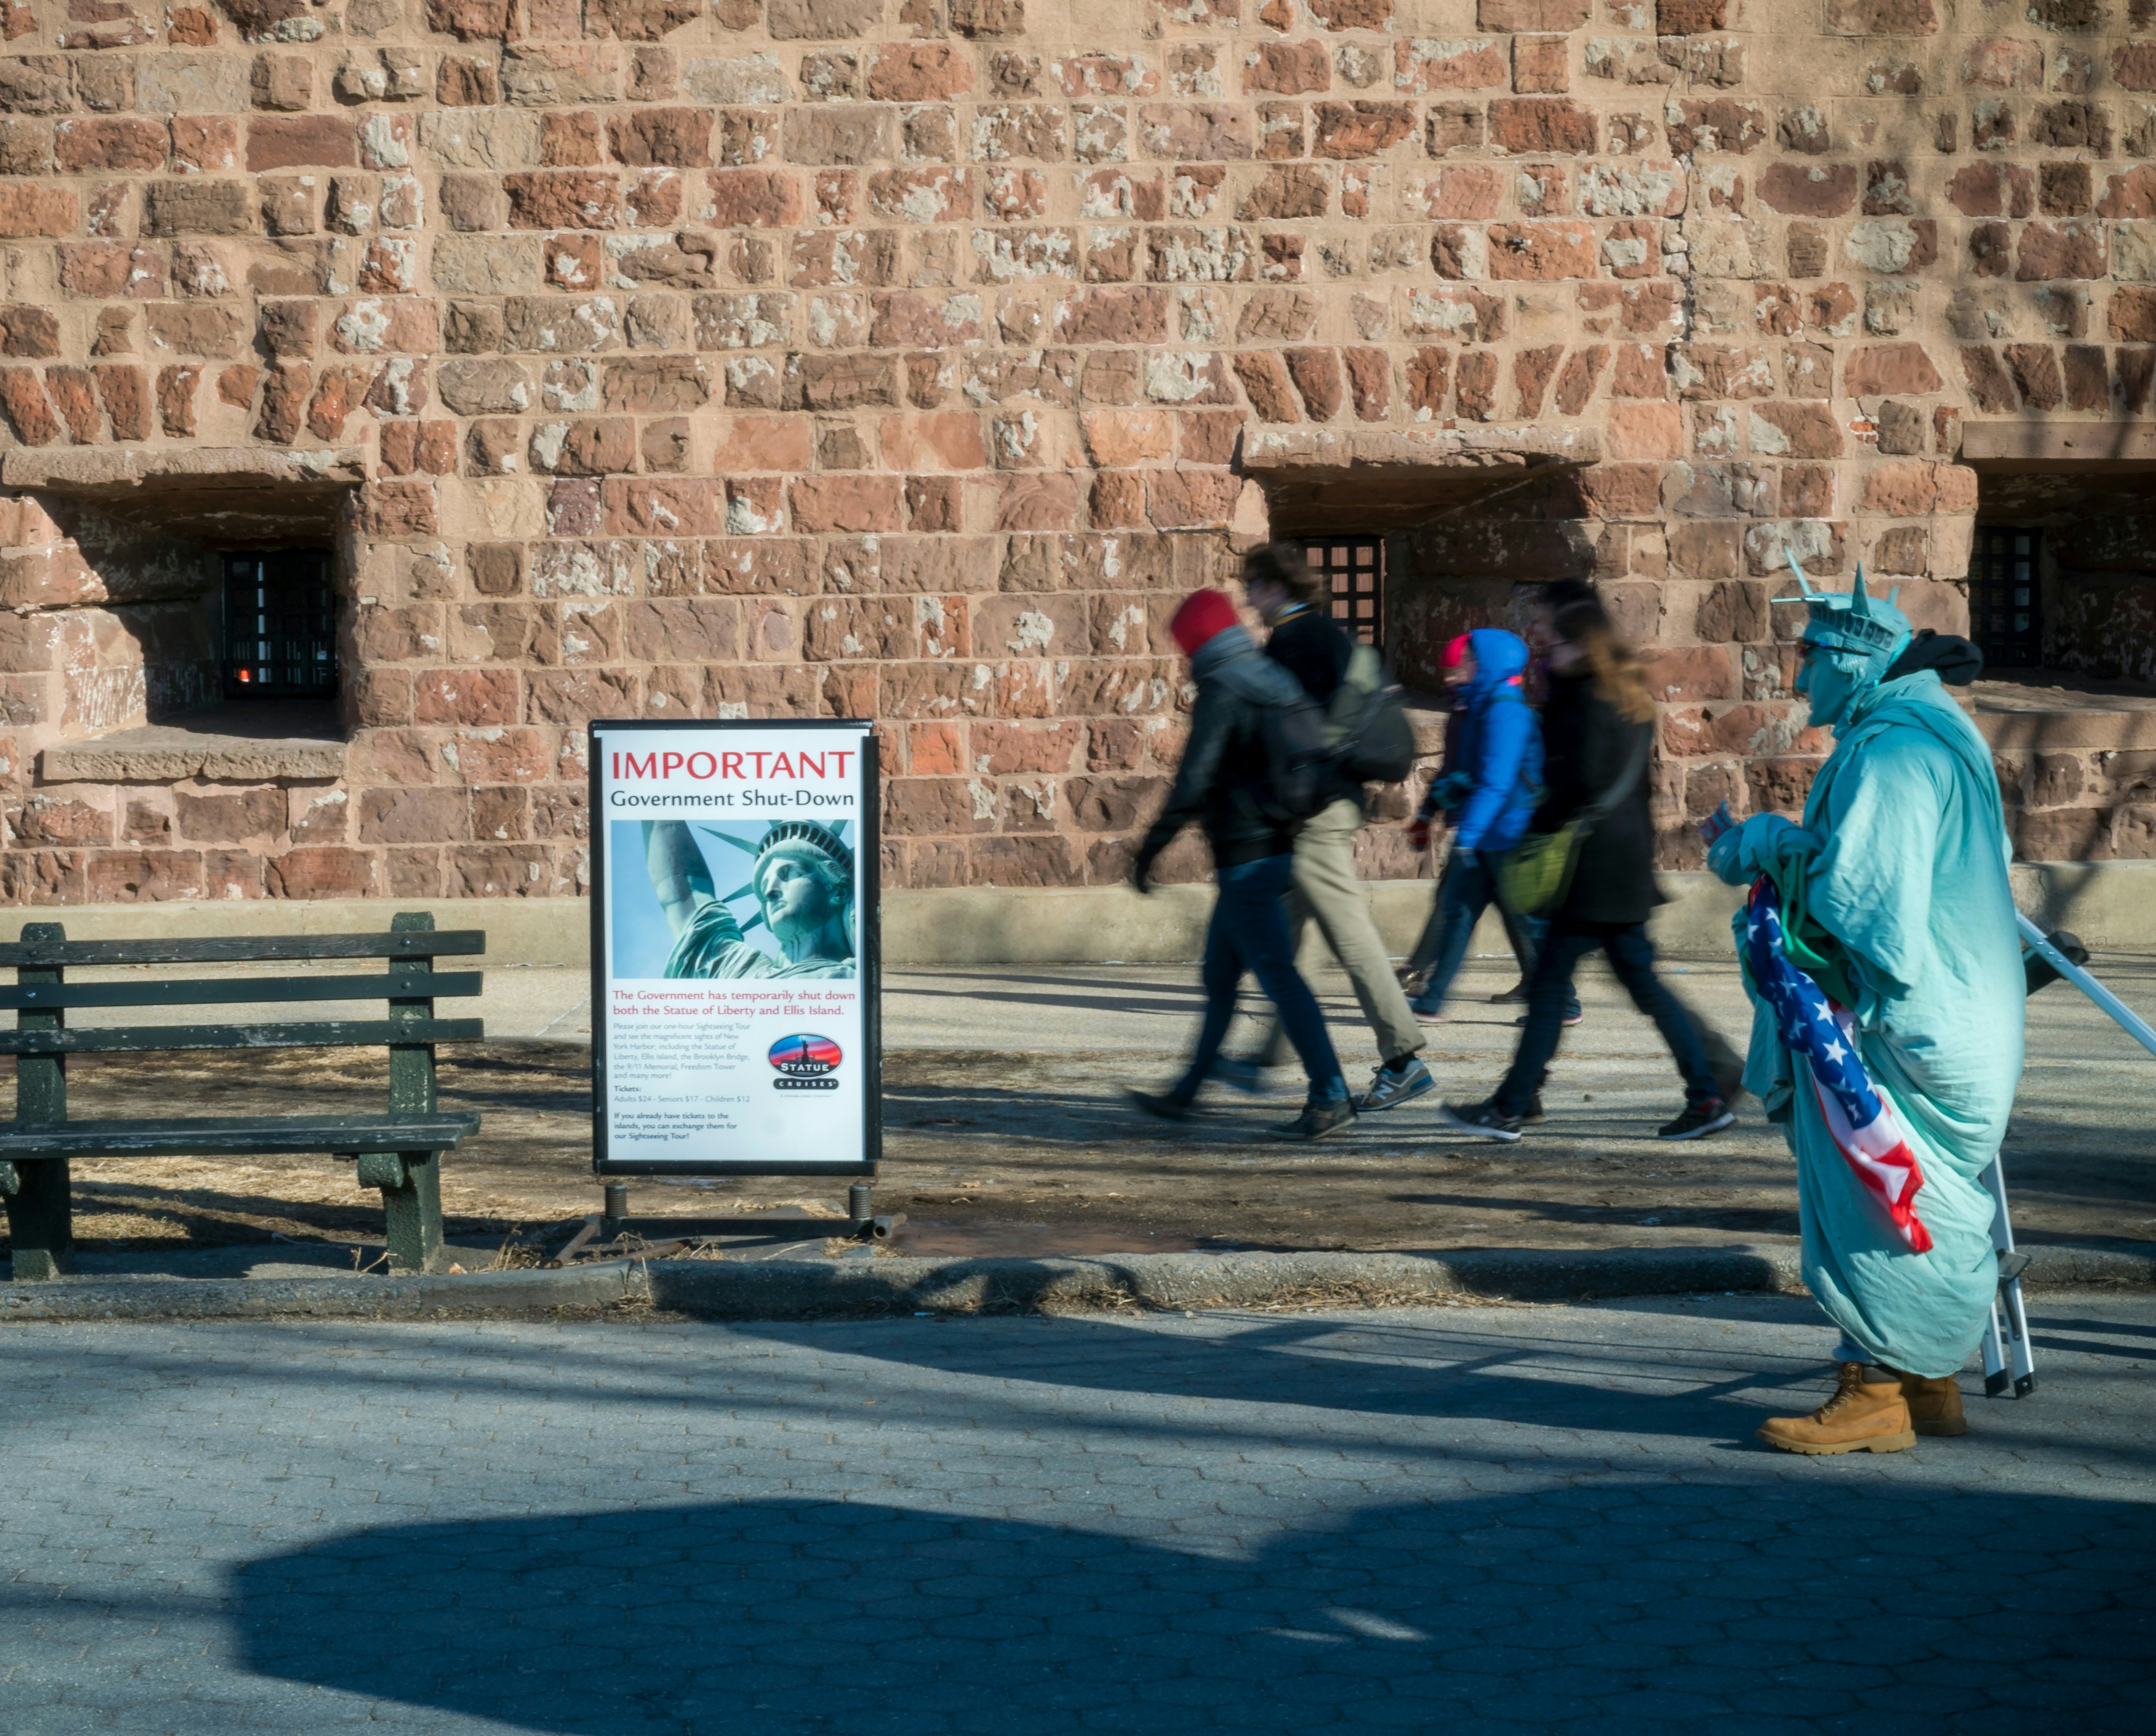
{"points": [[1419, 833], [1453, 789], [1738, 855]]}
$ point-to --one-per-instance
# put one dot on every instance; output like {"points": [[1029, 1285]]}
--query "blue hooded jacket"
{"points": [[1501, 745]]}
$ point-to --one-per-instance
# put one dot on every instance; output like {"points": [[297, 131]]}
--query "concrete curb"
{"points": [[809, 1290], [798, 1290], [512, 1294]]}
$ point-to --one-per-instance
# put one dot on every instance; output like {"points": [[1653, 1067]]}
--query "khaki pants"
{"points": [[1326, 887]]}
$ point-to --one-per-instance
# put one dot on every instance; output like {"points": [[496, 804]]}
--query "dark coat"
{"points": [[1225, 773], [1313, 649], [1586, 747]]}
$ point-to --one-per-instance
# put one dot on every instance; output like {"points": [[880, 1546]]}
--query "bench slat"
{"points": [[236, 1136], [418, 943], [327, 1034], [205, 991]]}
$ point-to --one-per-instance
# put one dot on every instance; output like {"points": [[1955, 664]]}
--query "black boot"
{"points": [[1166, 1107]]}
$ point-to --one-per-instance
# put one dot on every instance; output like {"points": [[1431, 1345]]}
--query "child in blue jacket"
{"points": [[1492, 782]]}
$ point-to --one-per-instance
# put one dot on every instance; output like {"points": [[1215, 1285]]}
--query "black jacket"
{"points": [[1586, 748], [1224, 768], [1313, 649]]}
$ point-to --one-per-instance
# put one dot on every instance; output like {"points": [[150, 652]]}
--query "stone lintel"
{"points": [[1335, 482], [1455, 448], [102, 468], [2036, 446]]}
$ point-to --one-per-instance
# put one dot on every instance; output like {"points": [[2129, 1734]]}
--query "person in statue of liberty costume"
{"points": [[804, 885], [1893, 896]]}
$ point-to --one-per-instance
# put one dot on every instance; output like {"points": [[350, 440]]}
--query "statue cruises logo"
{"points": [[805, 1062]]}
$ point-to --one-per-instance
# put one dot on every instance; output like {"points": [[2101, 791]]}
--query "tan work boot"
{"points": [[1863, 1416], [1934, 1405]]}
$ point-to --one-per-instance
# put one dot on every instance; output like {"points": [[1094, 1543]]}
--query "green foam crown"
{"points": [[1855, 622]]}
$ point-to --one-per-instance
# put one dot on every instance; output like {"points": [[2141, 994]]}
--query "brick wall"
{"points": [[891, 357]]}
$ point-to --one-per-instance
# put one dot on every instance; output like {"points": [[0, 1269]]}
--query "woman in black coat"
{"points": [[1598, 732]]}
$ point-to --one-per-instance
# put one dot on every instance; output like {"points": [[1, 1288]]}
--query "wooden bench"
{"points": [[398, 1151]]}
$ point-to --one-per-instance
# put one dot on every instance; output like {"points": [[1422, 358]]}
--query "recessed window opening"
{"points": [[280, 625], [1353, 569], [2005, 596]]}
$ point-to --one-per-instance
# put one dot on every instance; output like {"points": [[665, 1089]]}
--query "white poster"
{"points": [[733, 948]]}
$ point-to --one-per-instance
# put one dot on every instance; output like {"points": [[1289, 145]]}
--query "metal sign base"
{"points": [[859, 1223]]}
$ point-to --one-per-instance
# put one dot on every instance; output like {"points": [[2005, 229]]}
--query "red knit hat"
{"points": [[1454, 653], [1203, 616]]}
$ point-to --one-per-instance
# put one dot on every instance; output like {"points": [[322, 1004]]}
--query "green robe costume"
{"points": [[1899, 873]]}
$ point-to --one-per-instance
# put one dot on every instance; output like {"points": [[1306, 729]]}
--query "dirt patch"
{"points": [[1037, 1154]]}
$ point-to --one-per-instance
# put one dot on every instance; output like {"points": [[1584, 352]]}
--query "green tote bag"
{"points": [[1536, 873]]}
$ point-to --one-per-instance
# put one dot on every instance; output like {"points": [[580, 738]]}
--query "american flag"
{"points": [[1823, 1035]]}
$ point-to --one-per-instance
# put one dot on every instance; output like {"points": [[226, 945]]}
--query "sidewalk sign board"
{"points": [[735, 950]]}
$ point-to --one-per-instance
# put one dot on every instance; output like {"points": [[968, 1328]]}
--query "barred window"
{"points": [[1354, 569], [280, 625], [2005, 596]]}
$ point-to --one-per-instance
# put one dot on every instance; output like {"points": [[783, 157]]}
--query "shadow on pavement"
{"points": [[1755, 1220], [1740, 1590], [1795, 1605]]}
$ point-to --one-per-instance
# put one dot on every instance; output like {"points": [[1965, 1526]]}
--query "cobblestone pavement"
{"points": [[1456, 1519]]}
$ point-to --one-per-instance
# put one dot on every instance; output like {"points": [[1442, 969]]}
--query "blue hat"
{"points": [[1858, 621]]}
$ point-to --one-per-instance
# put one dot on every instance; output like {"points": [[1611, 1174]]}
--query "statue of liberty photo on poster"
{"points": [[800, 889], [734, 948]]}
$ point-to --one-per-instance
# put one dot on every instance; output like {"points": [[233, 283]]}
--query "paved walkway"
{"points": [[1007, 1131], [1465, 1520]]}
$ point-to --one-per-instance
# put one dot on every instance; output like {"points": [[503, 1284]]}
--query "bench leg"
{"points": [[40, 1229], [411, 1183], [412, 1207]]}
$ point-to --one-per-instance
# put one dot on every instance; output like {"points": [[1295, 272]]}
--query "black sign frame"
{"points": [[868, 920]]}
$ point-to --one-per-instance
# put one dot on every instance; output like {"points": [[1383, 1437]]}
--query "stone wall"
{"points": [[893, 358]]}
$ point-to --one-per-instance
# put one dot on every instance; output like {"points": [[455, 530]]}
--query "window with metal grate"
{"points": [[1353, 567], [2005, 596], [280, 625]]}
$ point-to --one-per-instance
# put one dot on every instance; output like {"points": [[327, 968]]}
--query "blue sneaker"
{"points": [[1388, 1089]]}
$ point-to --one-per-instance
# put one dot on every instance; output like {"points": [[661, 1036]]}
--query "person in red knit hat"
{"points": [[1202, 616], [1224, 786]]}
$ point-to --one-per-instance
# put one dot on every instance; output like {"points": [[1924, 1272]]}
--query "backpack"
{"points": [[1298, 760], [1367, 726]]}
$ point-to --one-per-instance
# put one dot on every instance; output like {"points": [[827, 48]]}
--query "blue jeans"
{"points": [[1250, 932], [1631, 957], [1467, 888]]}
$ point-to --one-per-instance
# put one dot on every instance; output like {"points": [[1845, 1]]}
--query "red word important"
{"points": [[703, 766]]}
